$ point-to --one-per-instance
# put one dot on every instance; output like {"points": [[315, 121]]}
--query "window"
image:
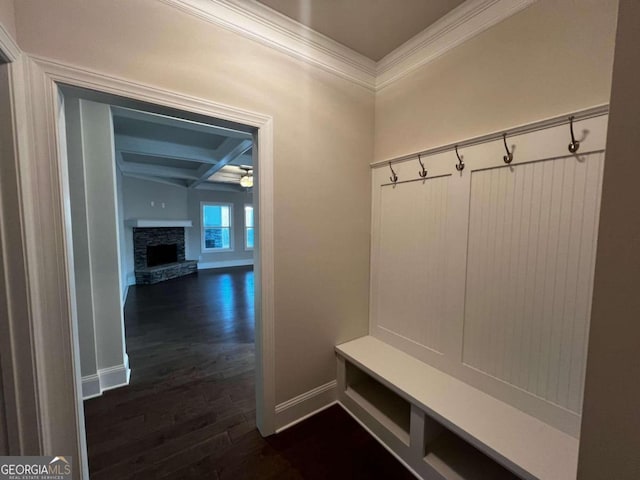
{"points": [[248, 227], [216, 226]]}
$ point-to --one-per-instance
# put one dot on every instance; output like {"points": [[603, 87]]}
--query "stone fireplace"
{"points": [[159, 254]]}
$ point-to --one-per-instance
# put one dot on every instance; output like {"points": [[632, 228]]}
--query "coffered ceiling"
{"points": [[373, 28], [179, 152]]}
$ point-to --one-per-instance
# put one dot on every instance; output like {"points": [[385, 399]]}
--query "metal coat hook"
{"points": [[574, 145], [422, 173], [393, 177], [508, 158], [460, 164]]}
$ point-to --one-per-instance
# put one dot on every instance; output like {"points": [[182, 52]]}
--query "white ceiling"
{"points": [[180, 152], [373, 28]]}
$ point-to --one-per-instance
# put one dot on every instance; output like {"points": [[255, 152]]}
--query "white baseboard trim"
{"points": [[225, 264], [91, 387], [396, 456], [305, 405], [114, 377], [106, 379]]}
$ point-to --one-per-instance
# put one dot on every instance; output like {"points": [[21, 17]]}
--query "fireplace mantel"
{"points": [[143, 223]]}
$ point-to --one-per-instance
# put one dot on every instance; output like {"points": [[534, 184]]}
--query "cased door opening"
{"points": [[164, 238]]}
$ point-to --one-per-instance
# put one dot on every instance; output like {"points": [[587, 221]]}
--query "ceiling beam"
{"points": [[228, 155], [157, 171], [220, 187], [160, 148], [165, 181]]}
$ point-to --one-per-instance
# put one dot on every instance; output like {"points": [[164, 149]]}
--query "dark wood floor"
{"points": [[189, 411]]}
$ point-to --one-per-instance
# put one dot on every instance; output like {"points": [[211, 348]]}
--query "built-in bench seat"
{"points": [[442, 427]]}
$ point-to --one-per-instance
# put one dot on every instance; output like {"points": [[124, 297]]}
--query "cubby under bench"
{"points": [[441, 427]]}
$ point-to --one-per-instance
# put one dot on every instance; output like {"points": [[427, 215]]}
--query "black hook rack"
{"points": [[393, 177], [460, 164], [423, 172], [508, 158], [574, 145]]}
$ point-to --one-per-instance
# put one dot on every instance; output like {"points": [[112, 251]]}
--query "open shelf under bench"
{"points": [[443, 427]]}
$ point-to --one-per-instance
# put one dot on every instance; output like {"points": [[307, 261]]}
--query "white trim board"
{"points": [[225, 264], [258, 22], [91, 387], [142, 223], [305, 405], [9, 49], [114, 377], [106, 379]]}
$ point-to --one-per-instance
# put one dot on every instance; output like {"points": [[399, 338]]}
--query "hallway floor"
{"points": [[189, 410]]}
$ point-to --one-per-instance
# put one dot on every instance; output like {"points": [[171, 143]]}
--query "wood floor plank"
{"points": [[189, 411]]}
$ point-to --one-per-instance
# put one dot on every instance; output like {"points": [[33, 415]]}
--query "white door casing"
{"points": [[47, 234]]}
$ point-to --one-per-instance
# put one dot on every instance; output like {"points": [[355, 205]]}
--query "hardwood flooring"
{"points": [[189, 411]]}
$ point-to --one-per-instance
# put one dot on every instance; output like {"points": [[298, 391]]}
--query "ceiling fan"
{"points": [[246, 180]]}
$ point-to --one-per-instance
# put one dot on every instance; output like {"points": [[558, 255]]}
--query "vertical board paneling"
{"points": [[411, 265], [530, 262]]}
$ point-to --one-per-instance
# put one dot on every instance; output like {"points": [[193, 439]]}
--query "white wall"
{"points": [[610, 439], [323, 131], [7, 17], [153, 201], [551, 58], [81, 248], [239, 256], [97, 134], [96, 240], [122, 237]]}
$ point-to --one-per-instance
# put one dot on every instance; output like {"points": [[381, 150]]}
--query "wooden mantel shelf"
{"points": [[142, 223]]}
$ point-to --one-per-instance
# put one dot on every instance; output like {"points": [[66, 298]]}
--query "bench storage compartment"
{"points": [[443, 428]]}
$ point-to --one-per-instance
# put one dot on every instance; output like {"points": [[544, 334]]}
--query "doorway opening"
{"points": [[164, 243]]}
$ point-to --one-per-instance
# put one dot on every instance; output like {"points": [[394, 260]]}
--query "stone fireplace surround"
{"points": [[144, 237]]}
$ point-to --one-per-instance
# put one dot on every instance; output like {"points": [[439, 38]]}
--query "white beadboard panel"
{"points": [[497, 256], [530, 262], [411, 262]]}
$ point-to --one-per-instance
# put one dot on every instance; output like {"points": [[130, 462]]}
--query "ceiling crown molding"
{"points": [[263, 24], [9, 50], [462, 23]]}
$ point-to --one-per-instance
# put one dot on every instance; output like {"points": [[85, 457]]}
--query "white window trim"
{"points": [[202, 227], [244, 221]]}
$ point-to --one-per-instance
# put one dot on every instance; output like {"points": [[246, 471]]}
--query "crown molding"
{"points": [[9, 50], [461, 24], [268, 27]]}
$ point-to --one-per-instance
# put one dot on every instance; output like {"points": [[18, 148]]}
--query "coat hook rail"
{"points": [[393, 177], [508, 158], [574, 145], [460, 164], [423, 172], [518, 130]]}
